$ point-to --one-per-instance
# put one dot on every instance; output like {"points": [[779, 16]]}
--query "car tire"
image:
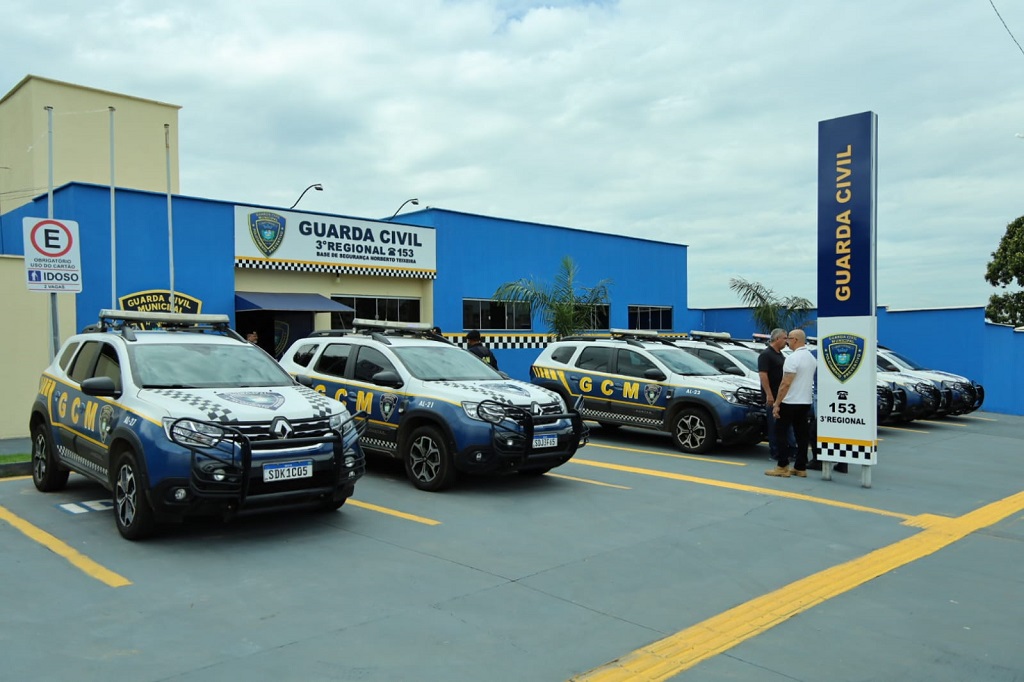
{"points": [[132, 513], [428, 461], [47, 473], [693, 430]]}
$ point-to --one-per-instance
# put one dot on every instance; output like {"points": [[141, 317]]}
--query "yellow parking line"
{"points": [[15, 478], [670, 656], [587, 480], [901, 428], [941, 423], [671, 454], [973, 416], [61, 548], [393, 512], [740, 486]]}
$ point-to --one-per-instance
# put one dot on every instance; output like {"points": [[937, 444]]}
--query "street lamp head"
{"points": [[414, 202], [317, 186]]}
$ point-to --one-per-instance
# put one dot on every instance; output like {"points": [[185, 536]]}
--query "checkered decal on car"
{"points": [[297, 266], [615, 418], [215, 411], [857, 453], [318, 401]]}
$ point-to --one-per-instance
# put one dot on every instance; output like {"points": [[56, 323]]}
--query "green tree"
{"points": [[562, 305], [768, 309], [1006, 268]]}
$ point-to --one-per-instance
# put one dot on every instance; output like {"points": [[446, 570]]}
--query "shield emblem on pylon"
{"points": [[267, 231], [843, 354]]}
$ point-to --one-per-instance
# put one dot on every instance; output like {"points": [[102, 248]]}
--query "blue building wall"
{"points": [[476, 254], [204, 245]]}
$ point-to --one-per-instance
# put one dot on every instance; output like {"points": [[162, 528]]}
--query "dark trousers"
{"points": [[793, 417]]}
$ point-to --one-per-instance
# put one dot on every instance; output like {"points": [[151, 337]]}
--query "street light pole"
{"points": [[414, 202], [317, 186]]}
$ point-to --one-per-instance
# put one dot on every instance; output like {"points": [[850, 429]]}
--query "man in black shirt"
{"points": [[479, 349], [769, 368]]}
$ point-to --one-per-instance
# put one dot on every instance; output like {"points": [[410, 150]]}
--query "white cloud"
{"points": [[693, 122]]}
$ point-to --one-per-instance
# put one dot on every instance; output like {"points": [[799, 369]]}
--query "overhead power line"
{"points": [[991, 2]]}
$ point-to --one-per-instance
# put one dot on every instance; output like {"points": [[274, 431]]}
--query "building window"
{"points": [[650, 317], [599, 317], [483, 314], [380, 308]]}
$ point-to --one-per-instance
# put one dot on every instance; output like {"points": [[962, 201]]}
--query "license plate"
{"points": [[544, 442], [283, 471]]}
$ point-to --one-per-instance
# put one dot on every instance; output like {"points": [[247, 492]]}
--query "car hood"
{"points": [[723, 382], [507, 391], [255, 404]]}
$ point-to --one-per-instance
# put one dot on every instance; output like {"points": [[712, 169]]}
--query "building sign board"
{"points": [[52, 260]]}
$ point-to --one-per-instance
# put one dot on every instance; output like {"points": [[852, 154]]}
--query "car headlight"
{"points": [[487, 411], [192, 433], [342, 422], [731, 397]]}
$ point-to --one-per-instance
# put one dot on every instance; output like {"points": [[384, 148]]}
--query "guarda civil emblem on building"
{"points": [[843, 354], [267, 231]]}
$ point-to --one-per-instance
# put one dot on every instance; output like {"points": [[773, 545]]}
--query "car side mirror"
{"points": [[654, 374], [388, 378], [305, 380], [733, 369], [101, 387]]}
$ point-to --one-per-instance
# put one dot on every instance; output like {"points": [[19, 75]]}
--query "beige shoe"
{"points": [[782, 472], [799, 472]]}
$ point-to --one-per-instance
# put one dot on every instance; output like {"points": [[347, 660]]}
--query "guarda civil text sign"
{"points": [[52, 261], [847, 404]]}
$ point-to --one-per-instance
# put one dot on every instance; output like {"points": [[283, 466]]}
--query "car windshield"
{"points": [[438, 362], [745, 355], [197, 365], [905, 361], [681, 362]]}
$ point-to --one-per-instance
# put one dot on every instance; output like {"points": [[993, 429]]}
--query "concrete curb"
{"points": [[15, 469]]}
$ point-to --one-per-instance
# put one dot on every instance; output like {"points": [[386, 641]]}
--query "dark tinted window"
{"points": [[595, 358], [563, 354], [108, 365], [81, 368], [334, 359], [369, 362], [633, 364], [304, 354], [65, 357]]}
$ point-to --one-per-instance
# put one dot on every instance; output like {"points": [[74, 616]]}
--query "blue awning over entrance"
{"points": [[313, 303]]}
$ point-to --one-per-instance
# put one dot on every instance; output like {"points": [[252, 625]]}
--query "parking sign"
{"points": [[52, 261]]}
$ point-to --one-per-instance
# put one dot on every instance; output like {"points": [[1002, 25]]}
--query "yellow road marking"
{"points": [[15, 478], [670, 454], [741, 487], [971, 416], [61, 548], [901, 428], [587, 480], [941, 423], [393, 512], [685, 649]]}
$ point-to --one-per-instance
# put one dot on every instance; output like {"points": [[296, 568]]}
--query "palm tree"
{"points": [[565, 308], [768, 310]]}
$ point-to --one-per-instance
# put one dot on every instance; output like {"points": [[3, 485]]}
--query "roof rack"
{"points": [[698, 334], [127, 321], [635, 337], [379, 330]]}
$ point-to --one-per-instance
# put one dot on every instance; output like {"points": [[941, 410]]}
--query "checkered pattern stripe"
{"points": [[595, 415], [378, 444], [831, 451], [300, 266], [505, 341], [318, 401], [215, 412], [73, 457]]}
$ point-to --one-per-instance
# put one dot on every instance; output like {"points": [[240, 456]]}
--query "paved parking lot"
{"points": [[631, 562]]}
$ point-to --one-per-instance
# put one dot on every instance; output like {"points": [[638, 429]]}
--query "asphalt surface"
{"points": [[632, 562]]}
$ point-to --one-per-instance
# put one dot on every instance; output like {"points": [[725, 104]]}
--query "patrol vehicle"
{"points": [[436, 406], [636, 378], [177, 416], [955, 394]]}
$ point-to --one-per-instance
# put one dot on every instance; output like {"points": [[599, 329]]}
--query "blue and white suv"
{"points": [[636, 378], [436, 406], [178, 416]]}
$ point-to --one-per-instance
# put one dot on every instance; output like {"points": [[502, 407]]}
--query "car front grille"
{"points": [[301, 428]]}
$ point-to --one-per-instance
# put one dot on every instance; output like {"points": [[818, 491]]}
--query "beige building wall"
{"points": [[26, 342], [81, 140], [336, 285]]}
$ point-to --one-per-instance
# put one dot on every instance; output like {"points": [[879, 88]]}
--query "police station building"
{"points": [[283, 272]]}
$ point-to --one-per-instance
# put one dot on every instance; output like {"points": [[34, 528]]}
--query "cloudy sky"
{"points": [[687, 121]]}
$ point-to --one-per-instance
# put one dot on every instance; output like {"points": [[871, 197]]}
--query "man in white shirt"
{"points": [[792, 408]]}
